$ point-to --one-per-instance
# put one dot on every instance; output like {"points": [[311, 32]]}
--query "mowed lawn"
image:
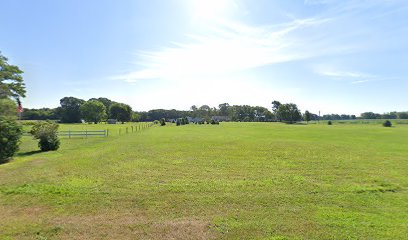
{"points": [[228, 181]]}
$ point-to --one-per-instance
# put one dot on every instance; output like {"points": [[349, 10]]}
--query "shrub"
{"points": [[46, 132], [162, 122], [387, 124], [10, 133], [213, 122], [156, 121], [329, 123], [178, 122]]}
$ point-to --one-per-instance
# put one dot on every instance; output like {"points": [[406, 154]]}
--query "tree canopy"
{"points": [[289, 113], [93, 111], [70, 112], [11, 81], [120, 111]]}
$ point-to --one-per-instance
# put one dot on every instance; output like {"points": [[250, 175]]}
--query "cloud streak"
{"points": [[229, 47], [350, 76]]}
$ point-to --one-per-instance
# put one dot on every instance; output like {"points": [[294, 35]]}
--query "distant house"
{"points": [[112, 121], [195, 120], [221, 118]]}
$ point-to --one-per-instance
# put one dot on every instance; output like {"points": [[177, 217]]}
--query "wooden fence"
{"points": [[86, 133], [100, 133]]}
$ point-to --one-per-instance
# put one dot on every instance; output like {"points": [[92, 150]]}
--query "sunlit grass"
{"points": [[234, 180]]}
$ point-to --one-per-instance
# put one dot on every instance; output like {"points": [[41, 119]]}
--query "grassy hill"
{"points": [[228, 181]]}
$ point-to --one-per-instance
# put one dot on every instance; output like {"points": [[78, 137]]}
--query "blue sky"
{"points": [[328, 55]]}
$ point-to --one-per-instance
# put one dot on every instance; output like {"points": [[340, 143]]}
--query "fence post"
{"points": [[107, 132], [86, 133], [126, 130], [132, 128], [69, 133]]}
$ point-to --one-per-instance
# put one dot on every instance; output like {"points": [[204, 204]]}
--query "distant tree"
{"points": [[260, 114], [106, 102], [204, 111], [329, 122], [370, 115], [93, 111], [224, 109], [135, 117], [403, 115], [275, 107], [11, 81], [41, 114], [307, 116], [289, 113], [193, 108], [70, 112], [120, 111]]}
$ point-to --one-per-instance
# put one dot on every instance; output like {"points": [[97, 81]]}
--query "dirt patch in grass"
{"points": [[183, 229], [9, 213], [131, 225]]}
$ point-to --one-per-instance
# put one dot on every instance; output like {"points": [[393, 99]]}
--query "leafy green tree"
{"points": [[8, 108], [11, 81], [70, 112], [46, 133], [275, 107], [403, 115], [11, 86], [106, 102], [10, 134], [40, 114], [307, 116], [370, 115], [135, 117], [224, 109], [120, 111], [289, 113], [93, 111]]}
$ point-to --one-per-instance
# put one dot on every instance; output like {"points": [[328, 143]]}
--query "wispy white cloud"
{"points": [[352, 77], [343, 74], [224, 47], [229, 47]]}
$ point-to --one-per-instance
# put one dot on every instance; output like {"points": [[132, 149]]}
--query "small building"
{"points": [[221, 118], [196, 120], [112, 121]]}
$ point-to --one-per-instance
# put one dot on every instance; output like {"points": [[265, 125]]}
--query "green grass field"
{"points": [[228, 181]]}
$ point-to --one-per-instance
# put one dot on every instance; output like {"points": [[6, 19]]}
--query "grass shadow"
{"points": [[23, 154], [4, 161]]}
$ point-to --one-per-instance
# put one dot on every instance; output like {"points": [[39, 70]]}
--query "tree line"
{"points": [[73, 110]]}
